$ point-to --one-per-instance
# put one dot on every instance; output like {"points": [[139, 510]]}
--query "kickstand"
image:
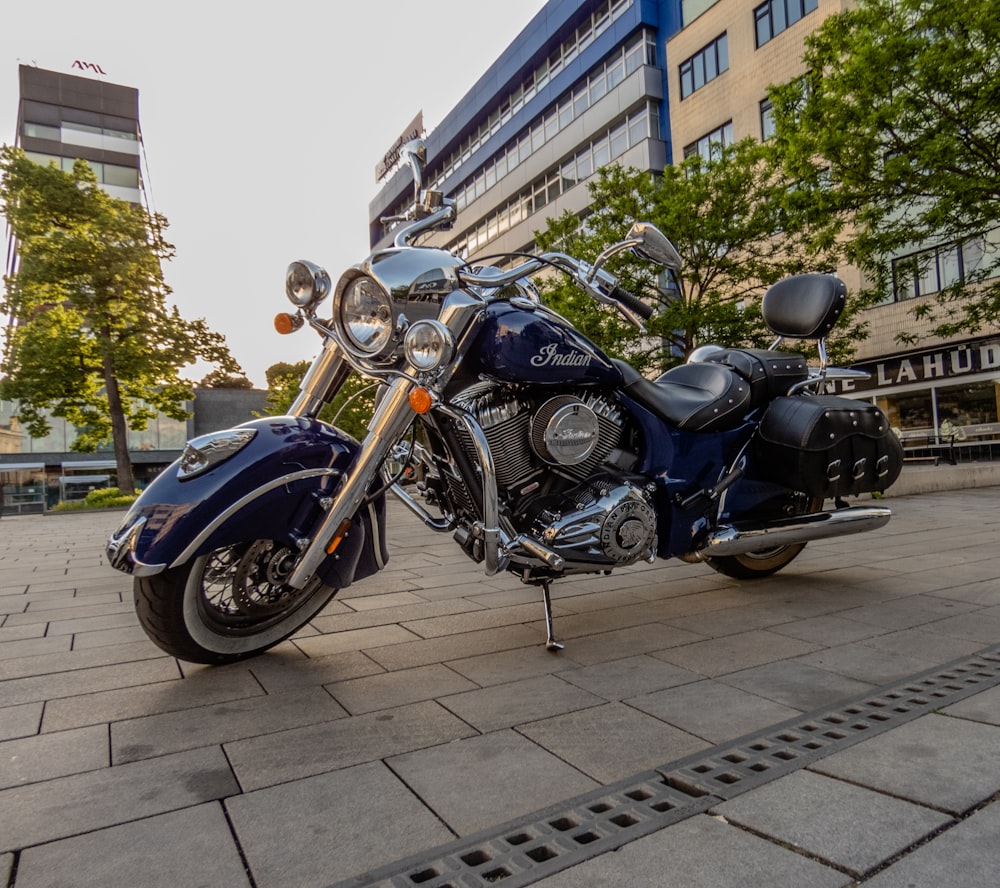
{"points": [[551, 644]]}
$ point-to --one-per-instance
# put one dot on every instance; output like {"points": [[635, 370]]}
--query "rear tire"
{"points": [[757, 565], [228, 605]]}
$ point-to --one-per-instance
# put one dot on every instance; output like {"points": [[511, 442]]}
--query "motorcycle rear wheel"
{"points": [[228, 605], [766, 562]]}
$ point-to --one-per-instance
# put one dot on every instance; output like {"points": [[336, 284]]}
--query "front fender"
{"points": [[270, 489]]}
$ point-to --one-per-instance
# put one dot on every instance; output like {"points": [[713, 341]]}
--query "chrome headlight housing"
{"points": [[207, 451], [366, 315], [428, 345], [306, 284]]}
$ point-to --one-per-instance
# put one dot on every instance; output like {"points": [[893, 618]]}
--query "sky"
{"points": [[262, 128]]}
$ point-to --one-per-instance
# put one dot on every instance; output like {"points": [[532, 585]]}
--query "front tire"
{"points": [[227, 605]]}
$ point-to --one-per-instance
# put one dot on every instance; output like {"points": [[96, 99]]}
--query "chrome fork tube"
{"points": [[390, 421], [323, 380]]}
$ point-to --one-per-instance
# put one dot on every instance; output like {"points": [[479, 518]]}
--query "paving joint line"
{"points": [[542, 843]]}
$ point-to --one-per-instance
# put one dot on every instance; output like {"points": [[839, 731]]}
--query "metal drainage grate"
{"points": [[750, 761], [543, 843]]}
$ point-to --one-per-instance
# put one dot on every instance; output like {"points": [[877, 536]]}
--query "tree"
{"points": [[220, 379], [738, 225], [350, 410], [900, 106], [92, 338]]}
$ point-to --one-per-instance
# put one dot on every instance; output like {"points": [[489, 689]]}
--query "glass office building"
{"points": [[581, 86]]}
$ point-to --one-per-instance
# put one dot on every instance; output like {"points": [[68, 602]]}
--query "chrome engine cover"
{"points": [[605, 520], [564, 431]]}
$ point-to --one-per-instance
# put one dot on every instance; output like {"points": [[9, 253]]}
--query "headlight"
{"points": [[428, 345], [366, 315], [201, 454], [306, 285]]}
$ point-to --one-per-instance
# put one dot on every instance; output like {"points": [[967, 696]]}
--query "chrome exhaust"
{"points": [[741, 537]]}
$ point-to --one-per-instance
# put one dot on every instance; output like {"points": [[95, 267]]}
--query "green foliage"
{"points": [[900, 107], [92, 338], [221, 379], [350, 410], [104, 498], [738, 224]]}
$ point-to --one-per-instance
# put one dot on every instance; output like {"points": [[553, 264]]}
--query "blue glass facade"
{"points": [[582, 80]]}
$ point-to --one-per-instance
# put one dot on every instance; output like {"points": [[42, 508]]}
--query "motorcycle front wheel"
{"points": [[765, 562], [229, 604]]}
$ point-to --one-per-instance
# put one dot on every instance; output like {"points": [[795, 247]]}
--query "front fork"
{"points": [[391, 419]]}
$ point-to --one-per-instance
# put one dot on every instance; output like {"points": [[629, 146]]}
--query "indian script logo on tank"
{"points": [[550, 356]]}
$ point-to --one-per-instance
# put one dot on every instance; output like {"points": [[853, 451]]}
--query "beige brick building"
{"points": [[720, 65]]}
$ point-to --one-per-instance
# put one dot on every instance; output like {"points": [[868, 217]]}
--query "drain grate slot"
{"points": [[751, 761], [529, 849]]}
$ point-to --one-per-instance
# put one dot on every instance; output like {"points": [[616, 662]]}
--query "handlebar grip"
{"points": [[633, 302]]}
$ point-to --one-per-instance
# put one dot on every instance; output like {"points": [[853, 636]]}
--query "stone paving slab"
{"points": [[193, 846], [427, 690], [45, 756], [700, 852], [68, 806], [848, 826], [966, 855], [316, 831], [946, 763], [488, 779], [984, 707]]}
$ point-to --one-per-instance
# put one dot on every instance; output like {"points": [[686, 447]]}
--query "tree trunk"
{"points": [[119, 428]]}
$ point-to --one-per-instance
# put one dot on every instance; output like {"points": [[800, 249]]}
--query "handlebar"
{"points": [[600, 284], [633, 302]]}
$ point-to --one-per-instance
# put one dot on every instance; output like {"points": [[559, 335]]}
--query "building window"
{"points": [[710, 145], [605, 147], [774, 16], [547, 125], [938, 268], [705, 65], [766, 120]]}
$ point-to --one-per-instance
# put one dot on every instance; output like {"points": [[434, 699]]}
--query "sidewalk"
{"points": [[836, 724]]}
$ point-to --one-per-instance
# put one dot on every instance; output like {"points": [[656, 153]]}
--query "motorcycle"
{"points": [[542, 456]]}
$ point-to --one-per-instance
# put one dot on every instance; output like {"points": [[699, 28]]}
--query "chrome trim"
{"points": [[323, 380], [120, 547], [490, 528], [244, 501], [441, 525], [737, 539]]}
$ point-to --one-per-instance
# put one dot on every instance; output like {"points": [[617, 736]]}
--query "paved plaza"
{"points": [[836, 724]]}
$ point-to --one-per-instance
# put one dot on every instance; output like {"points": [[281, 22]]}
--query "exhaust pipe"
{"points": [[741, 537]]}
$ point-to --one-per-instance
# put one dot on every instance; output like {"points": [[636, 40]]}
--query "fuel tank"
{"points": [[521, 341]]}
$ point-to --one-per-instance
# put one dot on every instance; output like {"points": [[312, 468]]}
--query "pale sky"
{"points": [[262, 126]]}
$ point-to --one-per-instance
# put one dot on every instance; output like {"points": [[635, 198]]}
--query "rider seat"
{"points": [[693, 397]]}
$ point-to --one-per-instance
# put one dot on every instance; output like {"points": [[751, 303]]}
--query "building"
{"points": [[37, 473], [646, 84], [581, 86], [62, 117], [944, 396]]}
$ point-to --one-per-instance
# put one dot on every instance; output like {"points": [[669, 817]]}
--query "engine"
{"points": [[562, 463]]}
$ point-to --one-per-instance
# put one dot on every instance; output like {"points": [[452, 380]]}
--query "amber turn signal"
{"points": [[421, 400], [287, 323]]}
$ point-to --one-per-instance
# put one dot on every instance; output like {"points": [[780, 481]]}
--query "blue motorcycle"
{"points": [[541, 455]]}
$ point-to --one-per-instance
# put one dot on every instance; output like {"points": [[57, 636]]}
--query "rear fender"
{"points": [[272, 488]]}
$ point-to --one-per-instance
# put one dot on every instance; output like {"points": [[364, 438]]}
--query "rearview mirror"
{"points": [[651, 244]]}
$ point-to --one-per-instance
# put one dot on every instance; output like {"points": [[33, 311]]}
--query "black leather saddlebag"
{"points": [[827, 446]]}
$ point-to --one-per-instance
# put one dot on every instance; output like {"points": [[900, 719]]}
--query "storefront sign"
{"points": [[944, 363], [413, 131]]}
